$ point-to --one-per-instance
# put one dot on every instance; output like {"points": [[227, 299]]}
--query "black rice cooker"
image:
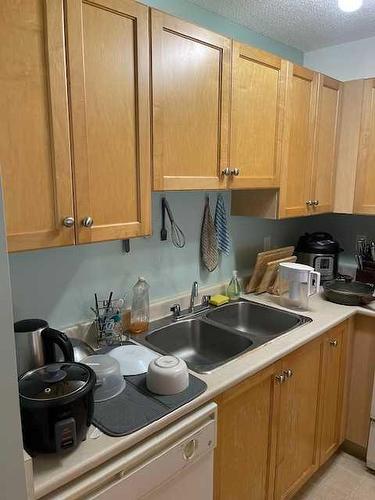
{"points": [[57, 406]]}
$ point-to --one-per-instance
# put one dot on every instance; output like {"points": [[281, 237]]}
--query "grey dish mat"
{"points": [[137, 407]]}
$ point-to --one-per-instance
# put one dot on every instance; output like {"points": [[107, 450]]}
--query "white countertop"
{"points": [[52, 471]]}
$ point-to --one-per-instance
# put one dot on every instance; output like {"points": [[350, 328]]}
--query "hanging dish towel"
{"points": [[224, 242], [209, 252]]}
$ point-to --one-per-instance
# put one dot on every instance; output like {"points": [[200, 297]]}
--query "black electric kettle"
{"points": [[36, 344]]}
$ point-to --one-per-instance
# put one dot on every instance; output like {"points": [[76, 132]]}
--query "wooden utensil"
{"points": [[270, 275], [263, 258]]}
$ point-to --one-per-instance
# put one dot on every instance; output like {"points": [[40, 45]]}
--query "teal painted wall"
{"points": [[214, 22], [58, 284]]}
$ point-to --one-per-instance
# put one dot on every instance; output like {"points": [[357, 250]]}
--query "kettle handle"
{"points": [[313, 289], [53, 337]]}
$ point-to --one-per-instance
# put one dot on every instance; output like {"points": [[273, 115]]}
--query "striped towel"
{"points": [[224, 241]]}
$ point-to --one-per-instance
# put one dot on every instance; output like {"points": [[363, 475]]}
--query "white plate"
{"points": [[133, 359]]}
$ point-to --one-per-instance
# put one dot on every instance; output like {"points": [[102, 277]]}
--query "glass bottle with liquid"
{"points": [[234, 287], [140, 311]]}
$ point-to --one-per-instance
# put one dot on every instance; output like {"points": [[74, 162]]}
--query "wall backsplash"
{"points": [[58, 284]]}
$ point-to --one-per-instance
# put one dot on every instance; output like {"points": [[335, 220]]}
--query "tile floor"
{"points": [[343, 478]]}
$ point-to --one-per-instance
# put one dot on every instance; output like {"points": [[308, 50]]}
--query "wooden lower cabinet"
{"points": [[244, 457], [276, 428], [297, 444], [332, 391]]}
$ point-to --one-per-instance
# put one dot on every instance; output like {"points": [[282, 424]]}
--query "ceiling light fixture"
{"points": [[350, 5]]}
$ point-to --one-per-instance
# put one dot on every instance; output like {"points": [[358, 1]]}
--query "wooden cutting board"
{"points": [[270, 275], [263, 258]]}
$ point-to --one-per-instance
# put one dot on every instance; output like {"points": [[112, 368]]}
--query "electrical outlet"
{"points": [[267, 243]]}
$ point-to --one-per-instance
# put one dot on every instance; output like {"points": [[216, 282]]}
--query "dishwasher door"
{"points": [[182, 471]]}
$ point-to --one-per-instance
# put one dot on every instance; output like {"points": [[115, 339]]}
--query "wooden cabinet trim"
{"points": [[161, 22]]}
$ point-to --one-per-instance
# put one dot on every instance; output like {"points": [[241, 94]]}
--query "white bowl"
{"points": [[167, 375], [133, 359]]}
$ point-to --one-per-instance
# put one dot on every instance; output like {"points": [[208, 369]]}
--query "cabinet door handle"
{"points": [[315, 203], [226, 171], [309, 203], [288, 373], [87, 221], [235, 171], [68, 221], [333, 343], [280, 379]]}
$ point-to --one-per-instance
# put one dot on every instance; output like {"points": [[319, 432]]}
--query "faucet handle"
{"points": [[176, 310], [206, 300], [195, 289]]}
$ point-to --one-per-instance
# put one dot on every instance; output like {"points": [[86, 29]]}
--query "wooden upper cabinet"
{"points": [[298, 142], [34, 125], [108, 53], [364, 200], [190, 83], [297, 447], [324, 171], [258, 101]]}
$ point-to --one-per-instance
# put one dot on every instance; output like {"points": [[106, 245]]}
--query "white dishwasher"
{"points": [[176, 463]]}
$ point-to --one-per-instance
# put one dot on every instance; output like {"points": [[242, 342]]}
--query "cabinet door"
{"points": [[297, 447], [257, 113], [34, 125], [244, 457], [329, 100], [109, 84], [295, 191], [364, 200], [190, 84], [332, 391]]}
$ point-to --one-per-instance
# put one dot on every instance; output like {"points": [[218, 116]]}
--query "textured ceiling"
{"points": [[304, 24]]}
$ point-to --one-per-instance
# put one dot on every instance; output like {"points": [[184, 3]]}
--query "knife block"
{"points": [[367, 274]]}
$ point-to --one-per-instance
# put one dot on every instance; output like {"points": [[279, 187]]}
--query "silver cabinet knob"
{"points": [[309, 203], [68, 222], [226, 171], [333, 342], [235, 171], [288, 373], [87, 221], [315, 203], [280, 379]]}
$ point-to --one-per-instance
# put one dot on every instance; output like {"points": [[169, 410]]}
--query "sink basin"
{"points": [[256, 319], [202, 345]]}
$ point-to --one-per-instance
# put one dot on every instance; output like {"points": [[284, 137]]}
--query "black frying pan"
{"points": [[353, 293]]}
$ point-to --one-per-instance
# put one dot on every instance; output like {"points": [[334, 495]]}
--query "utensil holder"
{"points": [[110, 322]]}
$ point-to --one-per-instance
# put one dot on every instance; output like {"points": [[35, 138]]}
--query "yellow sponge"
{"points": [[219, 300]]}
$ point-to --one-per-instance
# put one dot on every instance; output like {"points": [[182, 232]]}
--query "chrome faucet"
{"points": [[193, 296]]}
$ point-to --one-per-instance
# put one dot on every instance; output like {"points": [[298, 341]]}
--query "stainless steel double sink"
{"points": [[215, 336]]}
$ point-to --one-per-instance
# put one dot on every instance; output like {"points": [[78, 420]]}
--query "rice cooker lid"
{"points": [[55, 381], [318, 242]]}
